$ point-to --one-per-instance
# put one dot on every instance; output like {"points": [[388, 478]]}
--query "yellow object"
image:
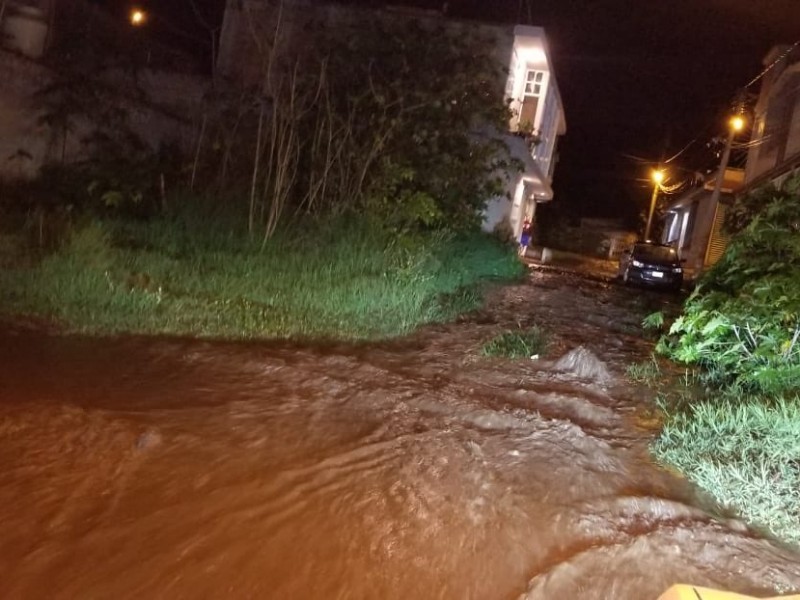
{"points": [[693, 592]]}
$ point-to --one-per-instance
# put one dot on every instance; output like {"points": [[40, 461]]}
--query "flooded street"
{"points": [[152, 468]]}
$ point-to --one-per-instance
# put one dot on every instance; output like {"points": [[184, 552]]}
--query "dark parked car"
{"points": [[652, 264]]}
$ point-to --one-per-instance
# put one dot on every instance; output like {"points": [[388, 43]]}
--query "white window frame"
{"points": [[537, 80]]}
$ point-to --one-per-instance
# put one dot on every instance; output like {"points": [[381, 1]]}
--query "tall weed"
{"points": [[184, 276]]}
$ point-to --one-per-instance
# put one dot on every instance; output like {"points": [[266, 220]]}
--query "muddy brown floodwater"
{"points": [[154, 468]]}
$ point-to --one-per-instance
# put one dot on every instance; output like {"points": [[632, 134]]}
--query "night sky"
{"points": [[640, 79]]}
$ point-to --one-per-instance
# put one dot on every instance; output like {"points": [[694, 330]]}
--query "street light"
{"points": [[735, 125], [658, 176], [137, 17]]}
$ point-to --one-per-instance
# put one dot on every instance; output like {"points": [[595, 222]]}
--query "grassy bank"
{"points": [[743, 449], [180, 276], [745, 452]]}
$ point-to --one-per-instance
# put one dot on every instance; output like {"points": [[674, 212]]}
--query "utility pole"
{"points": [[735, 125], [658, 177]]}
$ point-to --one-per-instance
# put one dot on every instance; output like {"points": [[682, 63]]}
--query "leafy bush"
{"points": [[742, 323]]}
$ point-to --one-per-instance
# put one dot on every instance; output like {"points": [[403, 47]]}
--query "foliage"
{"points": [[189, 274], [742, 323], [744, 452], [519, 343], [97, 162], [433, 122], [654, 320], [364, 123], [746, 208], [76, 99], [647, 372]]}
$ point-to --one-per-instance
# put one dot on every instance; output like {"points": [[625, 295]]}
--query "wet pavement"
{"points": [[158, 468]]}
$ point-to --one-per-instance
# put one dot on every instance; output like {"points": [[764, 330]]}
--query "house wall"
{"points": [[530, 55], [694, 227], [160, 107], [257, 33], [775, 140]]}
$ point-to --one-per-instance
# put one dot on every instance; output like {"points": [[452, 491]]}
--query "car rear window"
{"points": [[655, 252]]}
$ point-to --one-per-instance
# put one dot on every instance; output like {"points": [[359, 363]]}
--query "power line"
{"points": [[773, 64]]}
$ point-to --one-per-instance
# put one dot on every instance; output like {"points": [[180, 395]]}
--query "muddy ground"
{"points": [[163, 468]]}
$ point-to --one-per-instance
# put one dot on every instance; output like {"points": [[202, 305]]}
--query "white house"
{"points": [[536, 123]]}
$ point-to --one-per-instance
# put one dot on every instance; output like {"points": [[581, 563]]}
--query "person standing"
{"points": [[525, 237]]}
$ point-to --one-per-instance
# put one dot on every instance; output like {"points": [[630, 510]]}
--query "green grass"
{"points": [[184, 276], [744, 452], [522, 343], [647, 372]]}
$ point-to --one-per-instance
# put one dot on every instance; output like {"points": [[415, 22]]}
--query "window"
{"points": [[692, 217], [534, 81], [673, 227], [654, 252], [532, 92]]}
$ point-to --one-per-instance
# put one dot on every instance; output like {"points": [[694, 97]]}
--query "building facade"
{"points": [[774, 153], [693, 222], [536, 123]]}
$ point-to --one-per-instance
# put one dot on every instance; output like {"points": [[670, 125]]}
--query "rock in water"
{"points": [[582, 363]]}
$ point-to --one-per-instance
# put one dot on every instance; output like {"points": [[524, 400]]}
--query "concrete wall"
{"points": [[160, 107], [255, 30], [20, 134], [776, 127]]}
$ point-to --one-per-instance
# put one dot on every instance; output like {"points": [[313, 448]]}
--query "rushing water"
{"points": [[151, 468]]}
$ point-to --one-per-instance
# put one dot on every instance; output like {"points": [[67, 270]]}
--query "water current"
{"points": [[170, 468]]}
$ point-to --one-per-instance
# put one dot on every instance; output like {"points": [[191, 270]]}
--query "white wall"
{"points": [[166, 114]]}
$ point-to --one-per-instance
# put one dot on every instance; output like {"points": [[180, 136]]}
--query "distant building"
{"points": [[530, 86], [25, 25], [693, 222], [693, 225], [774, 153]]}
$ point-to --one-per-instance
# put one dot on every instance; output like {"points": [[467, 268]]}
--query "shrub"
{"points": [[742, 322]]}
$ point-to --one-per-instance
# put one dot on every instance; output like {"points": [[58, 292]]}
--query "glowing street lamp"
{"points": [[658, 176], [137, 17], [735, 125]]}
